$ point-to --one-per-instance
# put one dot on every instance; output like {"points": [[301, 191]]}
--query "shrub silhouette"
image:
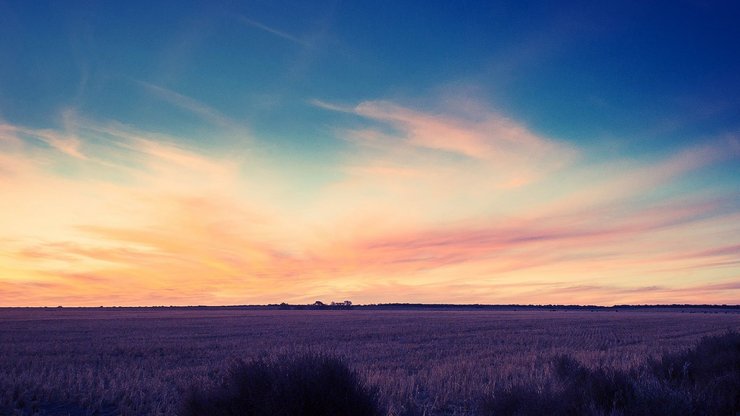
{"points": [[710, 372], [307, 385], [712, 357], [577, 391], [702, 381]]}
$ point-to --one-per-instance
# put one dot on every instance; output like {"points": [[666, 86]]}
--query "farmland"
{"points": [[142, 361]]}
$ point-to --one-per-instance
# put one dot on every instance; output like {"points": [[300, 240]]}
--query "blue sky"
{"points": [[576, 71], [304, 99]]}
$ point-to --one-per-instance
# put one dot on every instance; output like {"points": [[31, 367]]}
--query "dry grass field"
{"points": [[142, 361]]}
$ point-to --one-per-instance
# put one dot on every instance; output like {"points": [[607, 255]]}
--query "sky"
{"points": [[211, 153]]}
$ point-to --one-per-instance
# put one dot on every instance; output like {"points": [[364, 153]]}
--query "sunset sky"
{"points": [[456, 152]]}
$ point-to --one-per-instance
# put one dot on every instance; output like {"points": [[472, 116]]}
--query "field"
{"points": [[142, 361]]}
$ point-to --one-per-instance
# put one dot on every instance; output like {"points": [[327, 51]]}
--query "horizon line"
{"points": [[396, 304]]}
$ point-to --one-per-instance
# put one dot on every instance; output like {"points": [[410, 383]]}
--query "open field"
{"points": [[141, 361]]}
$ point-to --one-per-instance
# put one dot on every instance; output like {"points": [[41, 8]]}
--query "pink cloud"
{"points": [[505, 152], [422, 206]]}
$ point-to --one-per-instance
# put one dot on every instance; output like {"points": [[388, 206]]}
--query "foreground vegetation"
{"points": [[702, 381], [308, 385], [148, 362]]}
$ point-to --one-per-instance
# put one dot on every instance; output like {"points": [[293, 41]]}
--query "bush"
{"points": [[701, 381], [577, 391], [288, 386], [713, 357], [710, 373]]}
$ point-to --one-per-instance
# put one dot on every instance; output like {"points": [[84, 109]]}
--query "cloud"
{"points": [[491, 138], [61, 141], [720, 293], [175, 220], [271, 30], [506, 153], [423, 206], [203, 111]]}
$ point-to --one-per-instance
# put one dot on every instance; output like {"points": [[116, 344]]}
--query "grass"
{"points": [[308, 385], [702, 381], [145, 361]]}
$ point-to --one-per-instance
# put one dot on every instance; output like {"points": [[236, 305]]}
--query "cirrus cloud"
{"points": [[426, 206]]}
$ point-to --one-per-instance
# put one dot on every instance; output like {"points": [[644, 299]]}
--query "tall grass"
{"points": [[142, 362], [307, 385], [703, 381]]}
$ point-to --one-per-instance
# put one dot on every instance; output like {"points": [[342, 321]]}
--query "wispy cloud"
{"points": [[427, 205], [196, 107], [508, 154], [61, 141], [272, 30]]}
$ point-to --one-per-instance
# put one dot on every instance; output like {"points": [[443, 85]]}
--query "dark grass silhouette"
{"points": [[709, 373], [703, 381], [306, 385]]}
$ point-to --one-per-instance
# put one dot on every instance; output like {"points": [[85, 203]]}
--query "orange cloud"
{"points": [[424, 207]]}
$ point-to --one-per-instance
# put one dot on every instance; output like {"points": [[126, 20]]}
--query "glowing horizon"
{"points": [[439, 194]]}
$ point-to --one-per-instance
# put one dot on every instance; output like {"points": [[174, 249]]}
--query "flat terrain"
{"points": [[141, 361]]}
